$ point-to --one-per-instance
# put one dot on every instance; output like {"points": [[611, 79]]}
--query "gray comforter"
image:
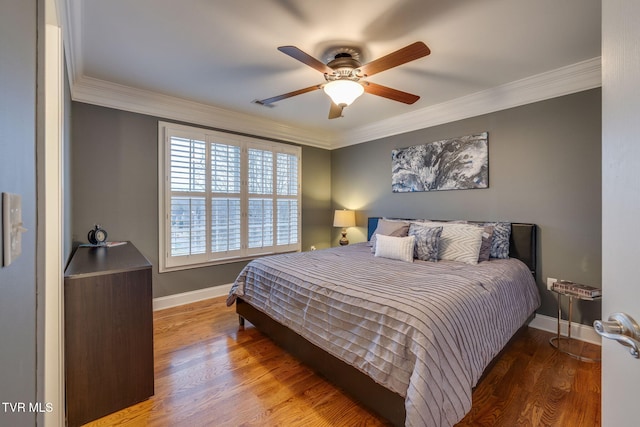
{"points": [[424, 330]]}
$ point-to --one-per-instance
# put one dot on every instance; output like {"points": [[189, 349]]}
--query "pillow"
{"points": [[485, 247], [487, 235], [427, 241], [400, 248], [389, 228], [500, 239], [459, 242]]}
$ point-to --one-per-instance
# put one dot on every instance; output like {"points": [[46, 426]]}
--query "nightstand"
{"points": [[108, 321], [555, 341]]}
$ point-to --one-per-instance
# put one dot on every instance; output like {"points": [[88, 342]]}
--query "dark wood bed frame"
{"points": [[374, 396]]}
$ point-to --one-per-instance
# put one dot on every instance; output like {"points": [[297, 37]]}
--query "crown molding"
{"points": [[562, 81], [126, 98], [107, 94], [69, 15]]}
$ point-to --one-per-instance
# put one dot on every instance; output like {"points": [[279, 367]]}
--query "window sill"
{"points": [[222, 261]]}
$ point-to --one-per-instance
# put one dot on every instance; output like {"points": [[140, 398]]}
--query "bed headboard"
{"points": [[522, 244]]}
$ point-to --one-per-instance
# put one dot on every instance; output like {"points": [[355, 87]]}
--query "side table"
{"points": [[555, 341]]}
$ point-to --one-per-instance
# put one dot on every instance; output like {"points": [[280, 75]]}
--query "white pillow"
{"points": [[460, 242], [389, 228], [400, 248]]}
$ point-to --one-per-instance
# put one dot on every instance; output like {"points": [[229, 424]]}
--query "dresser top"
{"points": [[91, 261]]}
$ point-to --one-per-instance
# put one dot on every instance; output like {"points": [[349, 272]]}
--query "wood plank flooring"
{"points": [[208, 372]]}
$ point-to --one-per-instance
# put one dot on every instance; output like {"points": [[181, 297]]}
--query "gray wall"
{"points": [[544, 168], [18, 50], [114, 170], [317, 215]]}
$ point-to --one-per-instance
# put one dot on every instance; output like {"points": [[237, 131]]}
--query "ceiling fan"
{"points": [[344, 74]]}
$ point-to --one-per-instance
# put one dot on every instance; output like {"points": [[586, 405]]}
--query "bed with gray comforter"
{"points": [[424, 330]]}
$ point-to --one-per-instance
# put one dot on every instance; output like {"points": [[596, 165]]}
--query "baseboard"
{"points": [[168, 301], [578, 331]]}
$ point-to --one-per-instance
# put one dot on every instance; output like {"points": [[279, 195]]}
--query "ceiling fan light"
{"points": [[343, 92]]}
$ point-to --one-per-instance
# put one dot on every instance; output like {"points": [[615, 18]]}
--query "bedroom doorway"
{"points": [[50, 258]]}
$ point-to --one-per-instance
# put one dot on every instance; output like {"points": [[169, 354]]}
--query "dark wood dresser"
{"points": [[108, 324]]}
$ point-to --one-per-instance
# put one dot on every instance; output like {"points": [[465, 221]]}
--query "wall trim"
{"points": [[50, 384], [573, 78], [578, 331], [566, 80], [107, 94], [176, 300]]}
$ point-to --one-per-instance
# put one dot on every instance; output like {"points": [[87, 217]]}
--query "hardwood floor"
{"points": [[210, 373]]}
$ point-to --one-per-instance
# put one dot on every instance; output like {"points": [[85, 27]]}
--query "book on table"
{"points": [[577, 289]]}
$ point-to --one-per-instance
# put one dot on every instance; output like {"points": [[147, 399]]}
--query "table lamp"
{"points": [[344, 218]]}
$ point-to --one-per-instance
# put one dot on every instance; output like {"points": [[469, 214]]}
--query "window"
{"points": [[224, 197]]}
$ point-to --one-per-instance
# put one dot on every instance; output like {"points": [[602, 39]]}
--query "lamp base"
{"points": [[344, 241]]}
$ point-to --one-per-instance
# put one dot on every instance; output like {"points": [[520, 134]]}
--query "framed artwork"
{"points": [[451, 164]]}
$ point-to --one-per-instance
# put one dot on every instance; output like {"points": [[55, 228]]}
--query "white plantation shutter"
{"points": [[260, 188], [225, 197], [260, 171], [188, 226], [226, 212], [260, 216], [287, 174], [225, 225], [188, 210], [287, 222]]}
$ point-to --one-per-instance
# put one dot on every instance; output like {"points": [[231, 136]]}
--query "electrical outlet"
{"points": [[550, 282]]}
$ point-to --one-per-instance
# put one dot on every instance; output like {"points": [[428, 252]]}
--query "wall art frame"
{"points": [[460, 163]]}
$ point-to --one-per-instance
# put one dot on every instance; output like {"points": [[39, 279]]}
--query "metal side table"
{"points": [[555, 341]]}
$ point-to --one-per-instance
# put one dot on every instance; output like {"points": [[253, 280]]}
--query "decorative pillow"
{"points": [[485, 247], [427, 241], [400, 248], [500, 239], [487, 235], [459, 242], [389, 228]]}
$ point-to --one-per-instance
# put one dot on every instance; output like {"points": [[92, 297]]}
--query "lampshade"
{"points": [[344, 218], [343, 92]]}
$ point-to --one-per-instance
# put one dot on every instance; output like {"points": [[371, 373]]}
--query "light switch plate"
{"points": [[12, 228]]}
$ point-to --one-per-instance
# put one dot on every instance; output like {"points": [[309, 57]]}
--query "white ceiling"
{"points": [[223, 53]]}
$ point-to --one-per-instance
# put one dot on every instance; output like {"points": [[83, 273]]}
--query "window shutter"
{"points": [[225, 197], [188, 210], [226, 214]]}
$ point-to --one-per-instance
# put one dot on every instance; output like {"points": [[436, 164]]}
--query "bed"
{"points": [[409, 340]]}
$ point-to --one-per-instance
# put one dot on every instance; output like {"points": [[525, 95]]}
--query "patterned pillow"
{"points": [[400, 248], [460, 242], [389, 228], [487, 236], [500, 239], [427, 241], [485, 247]]}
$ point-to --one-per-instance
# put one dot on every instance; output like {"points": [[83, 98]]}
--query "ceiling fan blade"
{"points": [[305, 58], [387, 92], [335, 111], [268, 101], [399, 57]]}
